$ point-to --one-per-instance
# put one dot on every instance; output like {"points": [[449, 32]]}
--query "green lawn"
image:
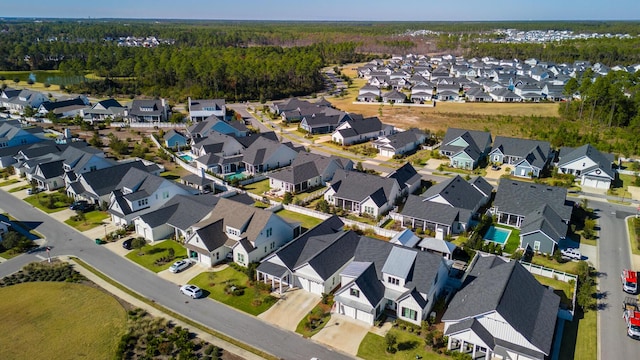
{"points": [[580, 337], [148, 255], [9, 182], [87, 322], [41, 200], [633, 239], [305, 221], [92, 219], [315, 320], [19, 188], [253, 301], [362, 219], [569, 266], [373, 347], [8, 254], [174, 174], [258, 188], [513, 242], [561, 288]]}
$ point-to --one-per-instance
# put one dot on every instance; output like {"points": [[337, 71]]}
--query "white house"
{"points": [[592, 167], [360, 130], [362, 193]]}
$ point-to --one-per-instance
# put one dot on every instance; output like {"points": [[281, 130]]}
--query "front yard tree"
{"points": [[391, 340], [138, 243], [287, 198]]}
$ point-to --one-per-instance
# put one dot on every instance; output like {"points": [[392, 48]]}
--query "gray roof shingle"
{"points": [[522, 198]]}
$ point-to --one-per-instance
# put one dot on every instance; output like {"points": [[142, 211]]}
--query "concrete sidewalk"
{"points": [[157, 313]]}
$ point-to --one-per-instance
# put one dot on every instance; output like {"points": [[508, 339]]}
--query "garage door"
{"points": [[387, 153], [348, 311], [316, 288], [595, 183], [365, 317], [305, 284]]}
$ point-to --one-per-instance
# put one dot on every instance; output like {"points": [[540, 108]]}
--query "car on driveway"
{"points": [[571, 253], [179, 265], [81, 206], [191, 291], [127, 244]]}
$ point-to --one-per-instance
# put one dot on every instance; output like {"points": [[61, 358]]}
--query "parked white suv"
{"points": [[571, 253], [179, 265], [191, 291]]}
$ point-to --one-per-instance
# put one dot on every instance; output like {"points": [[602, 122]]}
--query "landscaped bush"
{"points": [[44, 271]]}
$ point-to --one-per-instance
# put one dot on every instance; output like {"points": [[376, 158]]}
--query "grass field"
{"points": [[373, 347], [562, 289], [569, 266], [148, 255], [259, 187], [633, 239], [82, 322], [215, 285], [9, 182], [305, 221], [92, 219], [19, 188]]}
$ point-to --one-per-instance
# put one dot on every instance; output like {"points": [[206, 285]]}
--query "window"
{"points": [[272, 245], [409, 313], [393, 280], [241, 258], [354, 292], [536, 246], [369, 210], [93, 168], [165, 195], [269, 232], [143, 202]]}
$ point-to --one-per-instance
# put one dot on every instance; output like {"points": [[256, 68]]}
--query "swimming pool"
{"points": [[497, 235], [238, 175], [186, 157]]}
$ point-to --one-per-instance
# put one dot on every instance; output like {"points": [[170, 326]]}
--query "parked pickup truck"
{"points": [[631, 315], [629, 280]]}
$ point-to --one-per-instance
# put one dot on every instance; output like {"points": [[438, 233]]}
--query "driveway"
{"points": [[290, 309], [343, 333], [183, 276]]}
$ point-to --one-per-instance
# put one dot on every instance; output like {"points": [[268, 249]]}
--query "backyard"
{"points": [[258, 188], [232, 287], [157, 257], [305, 221], [568, 266], [91, 220], [561, 288]]}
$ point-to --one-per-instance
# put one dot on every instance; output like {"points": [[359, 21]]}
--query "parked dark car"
{"points": [[81, 206], [127, 244]]}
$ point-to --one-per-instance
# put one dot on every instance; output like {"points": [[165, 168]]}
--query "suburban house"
{"points": [[13, 134], [96, 186], [109, 109], [368, 93], [438, 246], [202, 109], [362, 193], [313, 261], [175, 217], [49, 175], [216, 143], [400, 143], [16, 101], [393, 97], [80, 159], [294, 109], [241, 232], [536, 209], [148, 111], [213, 124], [175, 139], [358, 130], [384, 277], [307, 171], [408, 179], [529, 157], [503, 312], [63, 108], [447, 207], [592, 167], [322, 123], [465, 148], [265, 154], [139, 192]]}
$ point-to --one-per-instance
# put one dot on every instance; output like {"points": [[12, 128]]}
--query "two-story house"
{"points": [[265, 154], [139, 192], [362, 193], [465, 148], [592, 167], [387, 277], [204, 108], [307, 171], [241, 232], [148, 111]]}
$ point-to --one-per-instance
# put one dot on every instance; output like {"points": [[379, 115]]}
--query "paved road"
{"points": [[613, 256], [67, 241]]}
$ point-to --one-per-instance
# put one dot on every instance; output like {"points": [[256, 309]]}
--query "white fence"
{"points": [[149, 125], [550, 273]]}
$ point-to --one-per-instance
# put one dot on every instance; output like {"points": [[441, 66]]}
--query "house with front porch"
{"points": [[368, 93], [362, 193], [465, 148], [592, 167], [109, 109], [148, 111], [313, 261], [400, 143], [200, 109], [358, 130], [240, 232], [529, 157], [449, 206], [140, 192], [306, 172], [384, 277], [501, 312]]}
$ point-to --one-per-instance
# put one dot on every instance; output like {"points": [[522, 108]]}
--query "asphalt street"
{"points": [[64, 240], [613, 256]]}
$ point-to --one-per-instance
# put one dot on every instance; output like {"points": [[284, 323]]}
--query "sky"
{"points": [[338, 10]]}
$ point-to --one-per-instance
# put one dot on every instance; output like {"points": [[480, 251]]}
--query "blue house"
{"points": [[465, 148], [214, 124], [175, 139]]}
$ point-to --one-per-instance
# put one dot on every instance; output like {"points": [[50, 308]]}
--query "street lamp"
{"points": [[105, 231]]}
